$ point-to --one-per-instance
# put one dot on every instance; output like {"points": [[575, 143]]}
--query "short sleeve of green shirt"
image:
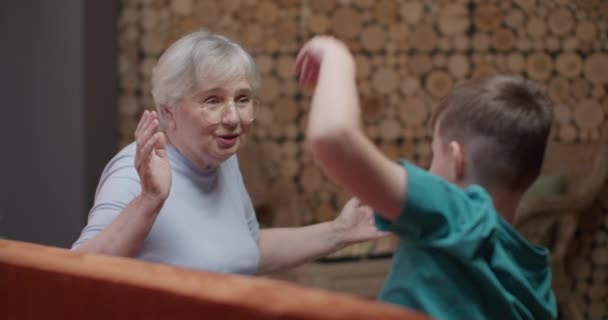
{"points": [[436, 210]]}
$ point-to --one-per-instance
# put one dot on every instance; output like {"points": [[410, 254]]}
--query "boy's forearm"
{"points": [[335, 104]]}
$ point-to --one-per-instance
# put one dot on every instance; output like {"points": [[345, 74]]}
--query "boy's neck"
{"points": [[506, 203]]}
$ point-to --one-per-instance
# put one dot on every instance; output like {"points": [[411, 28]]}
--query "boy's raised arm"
{"points": [[334, 134]]}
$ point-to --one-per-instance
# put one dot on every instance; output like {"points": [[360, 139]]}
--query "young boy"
{"points": [[459, 257]]}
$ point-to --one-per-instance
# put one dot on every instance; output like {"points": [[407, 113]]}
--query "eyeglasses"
{"points": [[214, 109]]}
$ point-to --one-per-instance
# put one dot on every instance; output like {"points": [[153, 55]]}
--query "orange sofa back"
{"points": [[41, 282]]}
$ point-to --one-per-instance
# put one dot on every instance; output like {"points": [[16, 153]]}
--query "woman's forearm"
{"points": [[126, 234], [284, 248]]}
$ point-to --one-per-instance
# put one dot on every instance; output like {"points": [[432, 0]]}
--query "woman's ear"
{"points": [[458, 165], [168, 116]]}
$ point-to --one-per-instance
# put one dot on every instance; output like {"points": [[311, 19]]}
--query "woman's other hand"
{"points": [[356, 223], [151, 159]]}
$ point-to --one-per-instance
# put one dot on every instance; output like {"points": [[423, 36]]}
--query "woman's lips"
{"points": [[227, 141]]}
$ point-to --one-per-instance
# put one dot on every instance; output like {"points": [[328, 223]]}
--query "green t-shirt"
{"points": [[459, 259]]}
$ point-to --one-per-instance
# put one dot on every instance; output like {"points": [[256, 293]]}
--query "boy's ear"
{"points": [[457, 154], [168, 116]]}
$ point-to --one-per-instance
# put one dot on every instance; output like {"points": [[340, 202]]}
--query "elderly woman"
{"points": [[177, 196]]}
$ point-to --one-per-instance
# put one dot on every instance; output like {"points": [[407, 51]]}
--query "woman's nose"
{"points": [[231, 115]]}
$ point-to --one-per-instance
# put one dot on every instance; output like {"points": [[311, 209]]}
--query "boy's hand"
{"points": [[317, 51], [356, 223]]}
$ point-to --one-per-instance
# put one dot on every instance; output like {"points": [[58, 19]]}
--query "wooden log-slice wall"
{"points": [[409, 53]]}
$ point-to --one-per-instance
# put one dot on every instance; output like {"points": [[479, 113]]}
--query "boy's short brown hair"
{"points": [[503, 123]]}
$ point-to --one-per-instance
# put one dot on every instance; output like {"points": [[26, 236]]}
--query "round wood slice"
{"points": [[598, 92], [423, 38], [412, 12], [539, 66], [487, 17], [208, 14], [390, 129], [445, 44], [286, 67], [289, 88], [459, 66], [263, 116], [128, 16], [553, 43], [571, 44], [526, 5], [559, 90], [536, 28], [413, 111], [420, 64], [398, 32], [523, 44], [270, 90], [586, 31], [569, 65], [588, 114], [152, 43], [311, 178], [386, 11], [567, 133], [128, 105], [410, 85], [515, 19], [285, 111], [481, 41], [365, 87], [462, 42], [588, 4], [483, 70], [385, 80], [503, 39], [252, 36], [580, 88], [438, 83], [292, 131], [453, 19], [287, 31], [372, 107], [440, 61], [391, 150], [596, 68], [181, 7], [264, 63], [289, 168], [266, 13], [364, 4], [561, 21], [149, 18], [325, 212], [322, 6], [270, 44], [129, 82], [346, 23], [563, 114], [372, 131], [289, 149], [146, 66], [373, 37], [319, 24]]}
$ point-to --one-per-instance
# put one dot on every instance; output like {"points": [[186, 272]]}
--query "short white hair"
{"points": [[197, 57]]}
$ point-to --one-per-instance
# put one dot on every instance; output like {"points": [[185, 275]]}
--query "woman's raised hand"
{"points": [[151, 159]]}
